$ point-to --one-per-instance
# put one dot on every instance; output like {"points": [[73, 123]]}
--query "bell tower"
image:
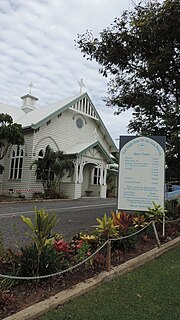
{"points": [[29, 101]]}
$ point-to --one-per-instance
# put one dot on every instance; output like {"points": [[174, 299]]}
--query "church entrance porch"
{"points": [[94, 180]]}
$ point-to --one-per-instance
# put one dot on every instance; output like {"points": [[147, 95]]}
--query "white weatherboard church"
{"points": [[72, 126]]}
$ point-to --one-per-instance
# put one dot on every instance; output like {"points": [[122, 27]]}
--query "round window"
{"points": [[79, 123]]}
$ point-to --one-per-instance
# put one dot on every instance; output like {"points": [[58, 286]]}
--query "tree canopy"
{"points": [[140, 52], [10, 134]]}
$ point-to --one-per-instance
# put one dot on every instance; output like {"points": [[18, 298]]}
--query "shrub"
{"points": [[50, 261], [172, 208], [156, 212], [41, 232], [124, 245], [27, 263], [106, 227], [38, 195], [139, 221], [41, 228], [122, 221]]}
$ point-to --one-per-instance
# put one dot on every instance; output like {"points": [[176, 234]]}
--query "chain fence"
{"points": [[106, 243]]}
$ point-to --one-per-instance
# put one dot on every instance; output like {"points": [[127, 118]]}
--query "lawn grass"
{"points": [[151, 292]]}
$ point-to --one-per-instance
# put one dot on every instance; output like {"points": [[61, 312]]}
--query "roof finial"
{"points": [[81, 85], [30, 86]]}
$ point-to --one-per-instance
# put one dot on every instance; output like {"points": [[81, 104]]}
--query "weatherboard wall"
{"points": [[64, 133], [19, 186], [60, 133]]}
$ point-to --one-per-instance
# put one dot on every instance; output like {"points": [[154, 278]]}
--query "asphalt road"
{"points": [[75, 215]]}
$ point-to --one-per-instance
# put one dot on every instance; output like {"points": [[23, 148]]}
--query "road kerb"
{"points": [[40, 308]]}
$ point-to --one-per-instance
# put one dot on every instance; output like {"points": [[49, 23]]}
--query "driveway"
{"points": [[75, 215]]}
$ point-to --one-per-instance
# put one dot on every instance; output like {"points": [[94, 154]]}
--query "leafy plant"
{"points": [[83, 251], [41, 230], [10, 263], [172, 208], [156, 213], [50, 261], [61, 246], [50, 169], [27, 262], [139, 51], [90, 238], [121, 220], [106, 227], [124, 244], [178, 208], [139, 221], [10, 134]]}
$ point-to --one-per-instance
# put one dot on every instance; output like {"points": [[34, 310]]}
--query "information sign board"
{"points": [[141, 172]]}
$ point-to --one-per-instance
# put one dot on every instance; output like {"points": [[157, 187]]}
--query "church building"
{"points": [[72, 126]]}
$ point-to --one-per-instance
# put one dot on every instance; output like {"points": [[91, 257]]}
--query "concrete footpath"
{"points": [[35, 311]]}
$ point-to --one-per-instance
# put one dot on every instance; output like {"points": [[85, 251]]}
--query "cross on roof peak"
{"points": [[81, 85], [30, 85]]}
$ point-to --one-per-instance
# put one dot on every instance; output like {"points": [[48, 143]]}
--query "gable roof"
{"points": [[38, 117], [80, 148], [15, 113]]}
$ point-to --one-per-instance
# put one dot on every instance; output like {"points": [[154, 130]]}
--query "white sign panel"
{"points": [[141, 174]]}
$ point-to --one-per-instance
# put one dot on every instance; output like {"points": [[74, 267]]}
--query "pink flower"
{"points": [[61, 246], [88, 253], [78, 244]]}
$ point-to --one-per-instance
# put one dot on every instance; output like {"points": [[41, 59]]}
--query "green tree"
{"points": [[10, 134], [140, 52], [51, 168]]}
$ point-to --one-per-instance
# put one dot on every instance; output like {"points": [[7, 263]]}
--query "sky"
{"points": [[37, 44]]}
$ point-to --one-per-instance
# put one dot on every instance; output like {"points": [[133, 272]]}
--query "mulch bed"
{"points": [[26, 294]]}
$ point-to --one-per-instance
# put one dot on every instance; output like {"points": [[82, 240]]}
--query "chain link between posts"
{"points": [[132, 234], [84, 261], [171, 221], [57, 273]]}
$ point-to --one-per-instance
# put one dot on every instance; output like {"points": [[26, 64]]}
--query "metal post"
{"points": [[108, 256], [163, 231], [156, 234]]}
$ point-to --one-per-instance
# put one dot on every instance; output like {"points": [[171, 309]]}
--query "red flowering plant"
{"points": [[64, 248], [122, 221], [81, 249], [61, 246], [76, 250]]}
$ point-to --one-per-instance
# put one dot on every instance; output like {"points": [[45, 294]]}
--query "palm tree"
{"points": [[51, 168]]}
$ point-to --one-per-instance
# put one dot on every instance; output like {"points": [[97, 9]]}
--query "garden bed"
{"points": [[22, 296], [50, 265], [28, 293]]}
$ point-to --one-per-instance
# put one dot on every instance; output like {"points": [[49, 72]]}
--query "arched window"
{"points": [[40, 154], [44, 169], [16, 163]]}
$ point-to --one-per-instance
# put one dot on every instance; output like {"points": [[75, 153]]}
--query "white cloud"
{"points": [[37, 44]]}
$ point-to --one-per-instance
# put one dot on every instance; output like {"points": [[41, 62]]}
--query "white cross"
{"points": [[81, 85], [30, 86]]}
